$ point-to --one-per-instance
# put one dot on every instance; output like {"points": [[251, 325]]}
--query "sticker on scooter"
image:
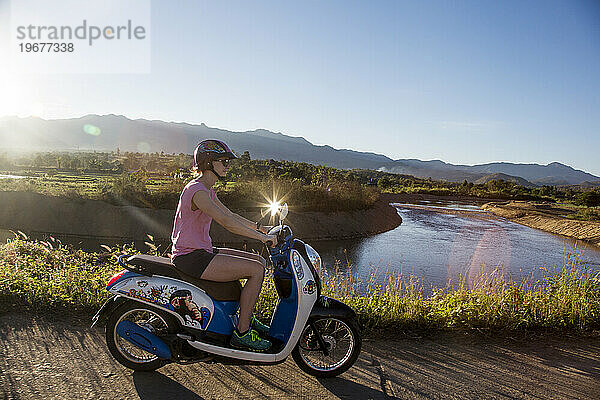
{"points": [[309, 287], [140, 294], [159, 295], [297, 265], [205, 317], [195, 317]]}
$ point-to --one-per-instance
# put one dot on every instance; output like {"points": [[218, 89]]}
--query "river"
{"points": [[2, 176], [440, 248]]}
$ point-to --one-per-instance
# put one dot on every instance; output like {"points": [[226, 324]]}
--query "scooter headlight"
{"points": [[315, 259]]}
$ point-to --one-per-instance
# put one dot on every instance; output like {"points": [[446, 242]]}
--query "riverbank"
{"points": [[80, 219], [421, 197], [547, 217]]}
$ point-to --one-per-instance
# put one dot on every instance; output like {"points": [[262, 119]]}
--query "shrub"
{"points": [[589, 199], [127, 188], [342, 196]]}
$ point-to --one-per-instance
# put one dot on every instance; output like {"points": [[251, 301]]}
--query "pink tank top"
{"points": [[191, 228]]}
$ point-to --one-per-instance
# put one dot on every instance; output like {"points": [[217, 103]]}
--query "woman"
{"points": [[192, 249]]}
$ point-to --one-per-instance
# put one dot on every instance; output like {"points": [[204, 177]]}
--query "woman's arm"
{"points": [[239, 218], [228, 219]]}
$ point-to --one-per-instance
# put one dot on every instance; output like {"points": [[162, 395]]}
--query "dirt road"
{"points": [[58, 357]]}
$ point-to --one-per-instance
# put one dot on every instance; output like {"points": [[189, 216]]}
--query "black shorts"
{"points": [[194, 264]]}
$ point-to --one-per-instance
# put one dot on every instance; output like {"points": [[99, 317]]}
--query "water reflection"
{"points": [[440, 248]]}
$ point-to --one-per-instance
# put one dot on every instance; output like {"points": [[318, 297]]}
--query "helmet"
{"points": [[212, 148]]}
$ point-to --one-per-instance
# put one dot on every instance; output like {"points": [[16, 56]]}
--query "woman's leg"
{"points": [[241, 253], [225, 267]]}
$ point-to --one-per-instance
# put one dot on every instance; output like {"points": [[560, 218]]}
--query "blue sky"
{"points": [[465, 82]]}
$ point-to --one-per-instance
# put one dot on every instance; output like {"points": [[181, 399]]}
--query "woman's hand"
{"points": [[265, 228], [272, 239]]}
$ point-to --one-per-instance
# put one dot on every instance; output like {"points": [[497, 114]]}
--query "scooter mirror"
{"points": [[283, 213]]}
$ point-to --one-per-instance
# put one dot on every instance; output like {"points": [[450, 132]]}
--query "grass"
{"points": [[45, 274], [586, 214], [64, 185]]}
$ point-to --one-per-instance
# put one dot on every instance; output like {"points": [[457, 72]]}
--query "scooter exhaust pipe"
{"points": [[143, 339]]}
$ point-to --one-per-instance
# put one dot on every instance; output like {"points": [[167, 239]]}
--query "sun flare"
{"points": [[273, 208], [273, 203]]}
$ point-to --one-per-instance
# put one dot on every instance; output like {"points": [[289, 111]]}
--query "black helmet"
{"points": [[212, 148]]}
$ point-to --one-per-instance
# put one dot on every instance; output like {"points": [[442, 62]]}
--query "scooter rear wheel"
{"points": [[148, 318], [343, 342]]}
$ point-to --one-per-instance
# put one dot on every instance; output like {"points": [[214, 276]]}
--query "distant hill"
{"points": [[109, 132], [504, 177], [435, 169], [552, 174], [155, 136], [589, 185]]}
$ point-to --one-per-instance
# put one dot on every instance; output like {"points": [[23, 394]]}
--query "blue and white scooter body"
{"points": [[189, 304]]}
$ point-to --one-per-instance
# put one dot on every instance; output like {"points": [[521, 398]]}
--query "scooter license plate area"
{"points": [[283, 287], [281, 267], [282, 275]]}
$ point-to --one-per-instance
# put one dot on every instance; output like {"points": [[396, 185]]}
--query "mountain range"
{"points": [[109, 132]]}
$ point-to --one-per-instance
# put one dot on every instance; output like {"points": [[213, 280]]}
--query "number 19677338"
{"points": [[46, 47]]}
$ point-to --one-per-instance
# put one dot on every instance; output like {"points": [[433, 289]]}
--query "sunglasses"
{"points": [[224, 161]]}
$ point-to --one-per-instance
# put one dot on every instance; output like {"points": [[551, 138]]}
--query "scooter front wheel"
{"points": [[341, 338], [148, 318]]}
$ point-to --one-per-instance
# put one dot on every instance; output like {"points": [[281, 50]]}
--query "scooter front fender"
{"points": [[328, 307]]}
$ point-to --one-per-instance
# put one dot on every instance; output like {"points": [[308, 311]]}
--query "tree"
{"points": [[384, 182], [465, 187], [590, 198]]}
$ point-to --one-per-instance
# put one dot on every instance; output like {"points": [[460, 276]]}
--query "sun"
{"points": [[16, 97]]}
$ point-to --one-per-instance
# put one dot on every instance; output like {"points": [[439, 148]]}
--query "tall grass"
{"points": [[44, 274], [568, 298]]}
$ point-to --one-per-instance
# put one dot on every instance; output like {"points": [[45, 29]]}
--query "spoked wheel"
{"points": [[342, 340], [148, 318]]}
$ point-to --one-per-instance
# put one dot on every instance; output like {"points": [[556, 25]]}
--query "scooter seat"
{"points": [[153, 265]]}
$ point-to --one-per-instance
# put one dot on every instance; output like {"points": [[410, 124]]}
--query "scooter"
{"points": [[157, 315]]}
